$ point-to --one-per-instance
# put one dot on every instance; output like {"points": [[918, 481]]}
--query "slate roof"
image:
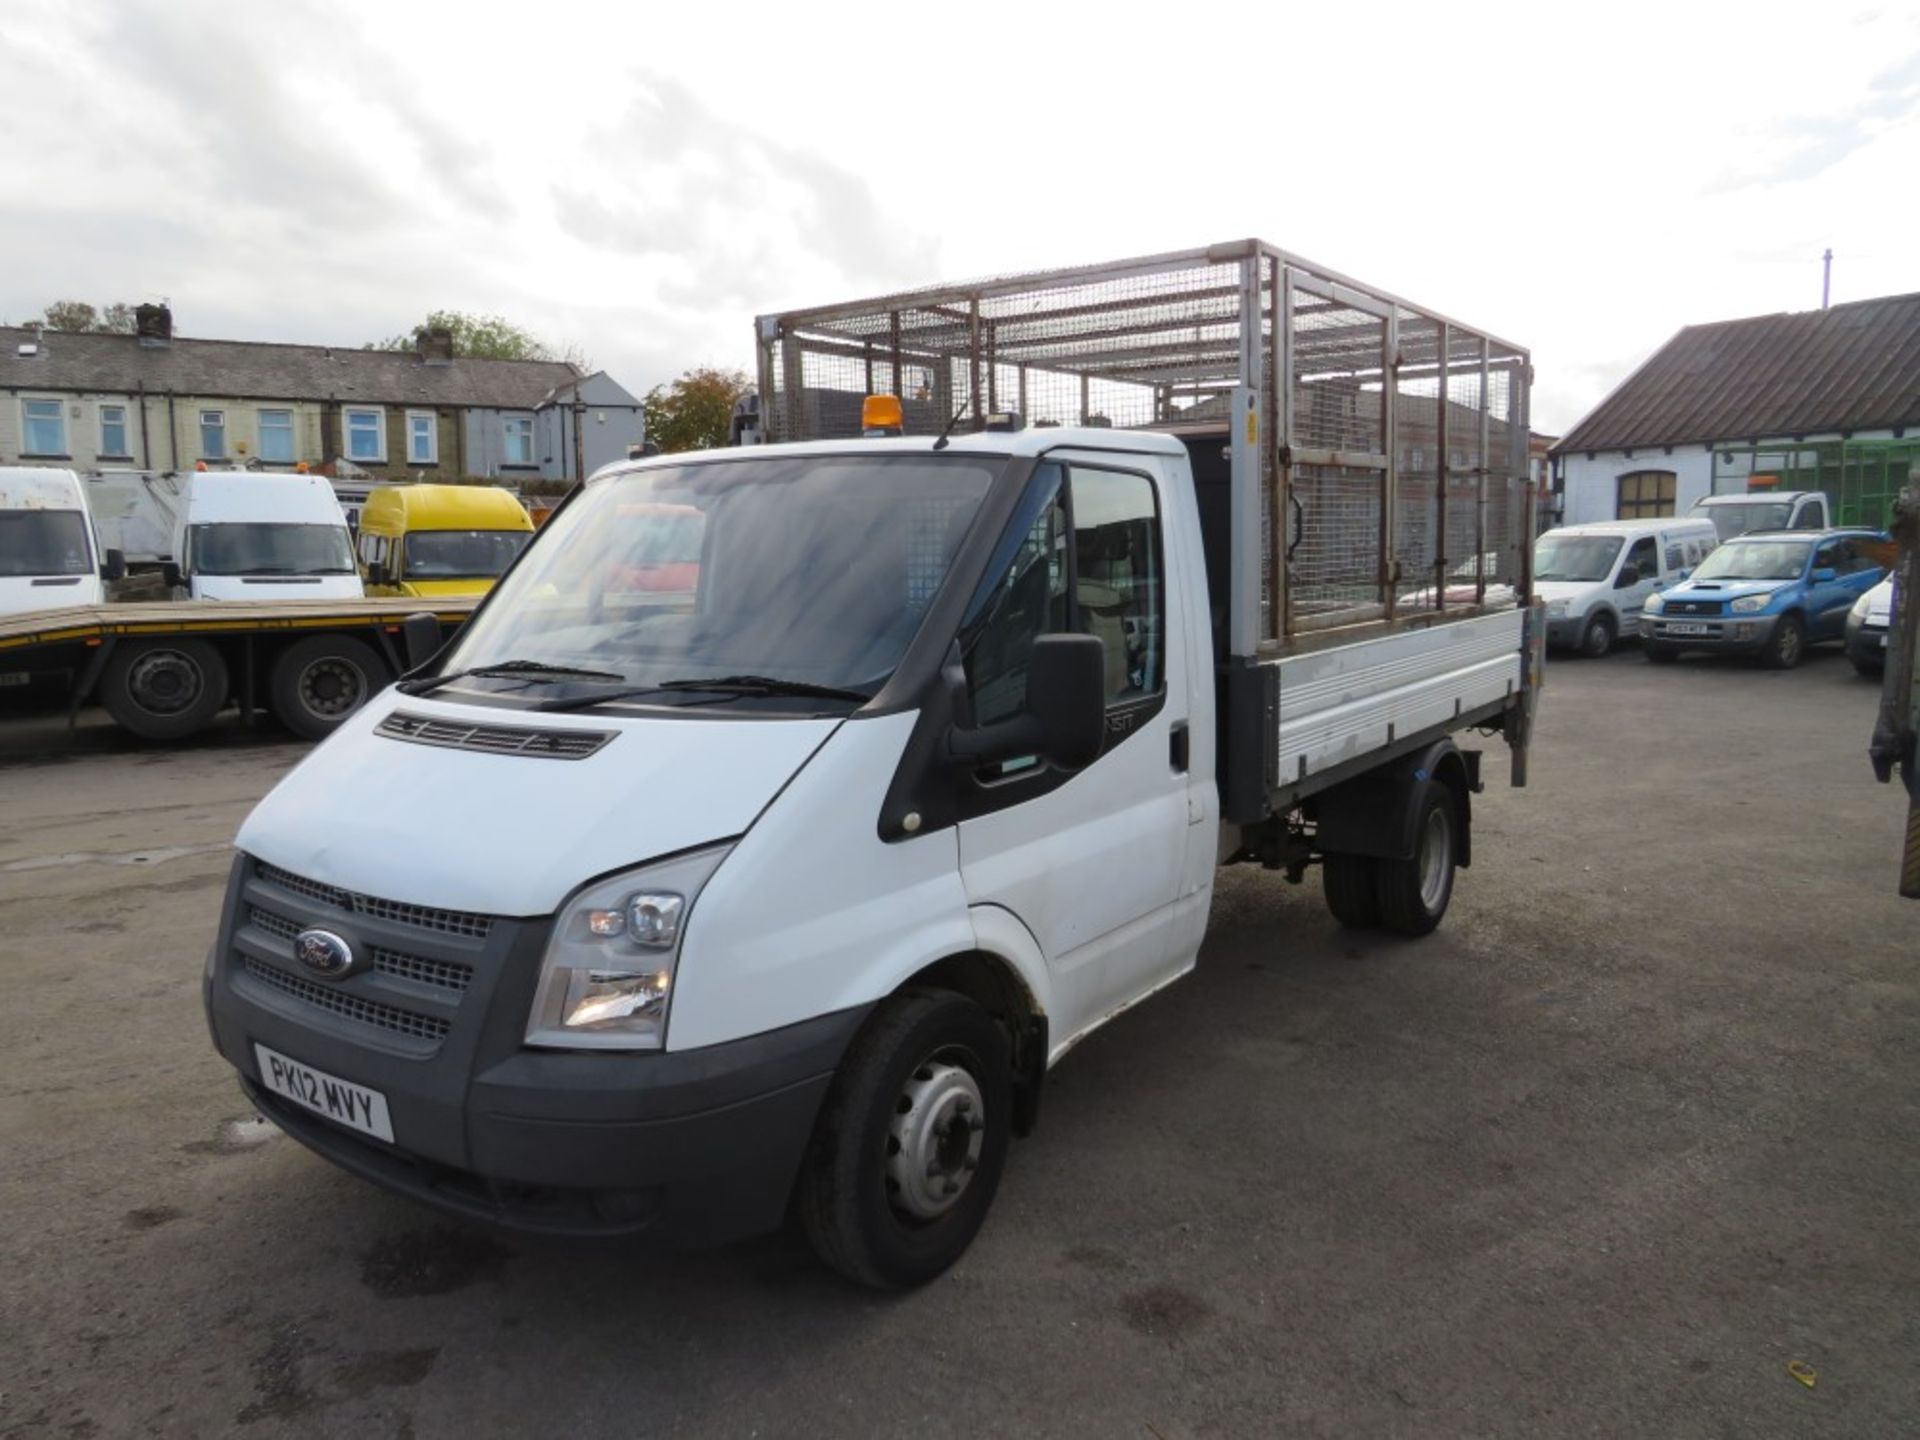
{"points": [[1852, 367], [246, 369]]}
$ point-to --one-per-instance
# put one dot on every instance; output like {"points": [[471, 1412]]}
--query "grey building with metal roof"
{"points": [[153, 400], [1810, 400]]}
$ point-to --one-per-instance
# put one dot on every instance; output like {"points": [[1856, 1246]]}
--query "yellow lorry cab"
{"points": [[439, 539]]}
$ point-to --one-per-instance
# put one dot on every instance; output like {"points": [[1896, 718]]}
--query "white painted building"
{"points": [[1781, 399]]}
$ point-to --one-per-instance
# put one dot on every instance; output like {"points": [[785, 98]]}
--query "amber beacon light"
{"points": [[880, 415]]}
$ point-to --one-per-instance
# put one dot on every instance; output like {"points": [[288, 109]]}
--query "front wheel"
{"points": [[1870, 669], [1414, 892], [1598, 638], [910, 1143], [1787, 644]]}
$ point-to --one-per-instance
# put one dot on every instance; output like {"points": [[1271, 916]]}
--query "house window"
{"points": [[1646, 495], [44, 423], [367, 436], [519, 450], [423, 443], [213, 434], [276, 437], [113, 432]]}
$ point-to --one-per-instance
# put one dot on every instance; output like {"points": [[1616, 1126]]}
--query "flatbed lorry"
{"points": [[622, 917], [164, 670]]}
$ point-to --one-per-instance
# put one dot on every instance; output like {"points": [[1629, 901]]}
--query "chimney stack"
{"points": [[434, 346], [154, 325]]}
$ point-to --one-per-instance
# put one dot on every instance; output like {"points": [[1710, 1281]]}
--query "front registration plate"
{"points": [[341, 1101], [1686, 629]]}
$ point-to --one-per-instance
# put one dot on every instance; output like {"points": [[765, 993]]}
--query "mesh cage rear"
{"points": [[1393, 477]]}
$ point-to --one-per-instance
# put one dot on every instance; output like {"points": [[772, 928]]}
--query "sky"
{"points": [[639, 181]]}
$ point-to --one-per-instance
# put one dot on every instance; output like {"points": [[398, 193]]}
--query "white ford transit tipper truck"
{"points": [[645, 909]]}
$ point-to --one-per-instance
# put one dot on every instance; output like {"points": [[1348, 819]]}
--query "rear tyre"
{"points": [[1787, 644], [318, 682], [1870, 669], [1414, 893], [1658, 654], [910, 1142], [1351, 893], [1598, 637], [163, 689]]}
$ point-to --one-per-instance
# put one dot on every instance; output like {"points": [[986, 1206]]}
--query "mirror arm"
{"points": [[1020, 735]]}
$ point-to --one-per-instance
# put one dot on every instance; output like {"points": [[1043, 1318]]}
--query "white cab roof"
{"points": [[240, 496], [1636, 527], [1000, 444], [25, 487]]}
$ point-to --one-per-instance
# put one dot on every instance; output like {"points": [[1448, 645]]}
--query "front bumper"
{"points": [[1564, 632], [1724, 634], [1866, 644], [703, 1143]]}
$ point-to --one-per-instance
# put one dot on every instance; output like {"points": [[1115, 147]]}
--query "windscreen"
{"points": [[43, 542], [462, 554], [247, 548], [809, 569], [1575, 557], [1755, 560], [1744, 519]]}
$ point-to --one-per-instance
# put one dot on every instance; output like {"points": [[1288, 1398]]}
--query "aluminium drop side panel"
{"points": [[1340, 704]]}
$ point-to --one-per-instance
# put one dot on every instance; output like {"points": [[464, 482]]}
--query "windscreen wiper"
{"points": [[509, 670], [729, 685]]}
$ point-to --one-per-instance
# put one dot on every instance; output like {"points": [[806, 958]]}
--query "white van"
{"points": [[50, 557], [1596, 578], [251, 535], [1762, 510]]}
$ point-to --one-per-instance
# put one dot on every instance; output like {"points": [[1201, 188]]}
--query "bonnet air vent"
{"points": [[495, 739]]}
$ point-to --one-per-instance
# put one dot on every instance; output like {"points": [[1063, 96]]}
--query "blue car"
{"points": [[1769, 595]]}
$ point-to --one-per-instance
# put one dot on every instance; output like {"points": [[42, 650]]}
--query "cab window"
{"points": [[1084, 554], [1834, 556], [1812, 516]]}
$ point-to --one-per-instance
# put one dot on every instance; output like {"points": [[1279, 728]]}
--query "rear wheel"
{"points": [[910, 1143], [1597, 639], [163, 689], [320, 681], [1349, 884], [1414, 893], [1787, 644]]}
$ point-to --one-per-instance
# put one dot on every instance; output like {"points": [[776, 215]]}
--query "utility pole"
{"points": [[1826, 277]]}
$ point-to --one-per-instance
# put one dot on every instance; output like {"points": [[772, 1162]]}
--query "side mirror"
{"points": [[1825, 574], [1629, 575], [421, 637], [170, 572], [1686, 574], [115, 567], [377, 573], [1065, 714]]}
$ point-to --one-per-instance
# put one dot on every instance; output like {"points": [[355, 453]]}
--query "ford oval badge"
{"points": [[324, 953]]}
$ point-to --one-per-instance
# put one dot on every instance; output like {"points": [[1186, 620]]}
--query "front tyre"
{"points": [[1598, 637], [1413, 893], [1786, 645], [910, 1142]]}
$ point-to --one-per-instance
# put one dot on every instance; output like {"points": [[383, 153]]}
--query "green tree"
{"points": [[694, 411], [479, 337], [77, 317]]}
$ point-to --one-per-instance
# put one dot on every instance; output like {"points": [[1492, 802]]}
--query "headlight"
{"points": [[607, 976], [1655, 604], [1747, 604], [1556, 608]]}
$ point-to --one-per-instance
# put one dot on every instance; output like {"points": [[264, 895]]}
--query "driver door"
{"points": [[1089, 861], [1644, 556]]}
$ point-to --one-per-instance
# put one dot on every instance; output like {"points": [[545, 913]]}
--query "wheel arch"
{"points": [[1378, 813]]}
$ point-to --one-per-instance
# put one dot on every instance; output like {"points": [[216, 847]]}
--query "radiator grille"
{"points": [[422, 917], [494, 739], [446, 974], [390, 1018]]}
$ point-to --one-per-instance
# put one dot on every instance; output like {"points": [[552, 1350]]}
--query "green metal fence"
{"points": [[1861, 477]]}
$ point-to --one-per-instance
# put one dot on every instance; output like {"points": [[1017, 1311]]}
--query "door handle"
{"points": [[1177, 746]]}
